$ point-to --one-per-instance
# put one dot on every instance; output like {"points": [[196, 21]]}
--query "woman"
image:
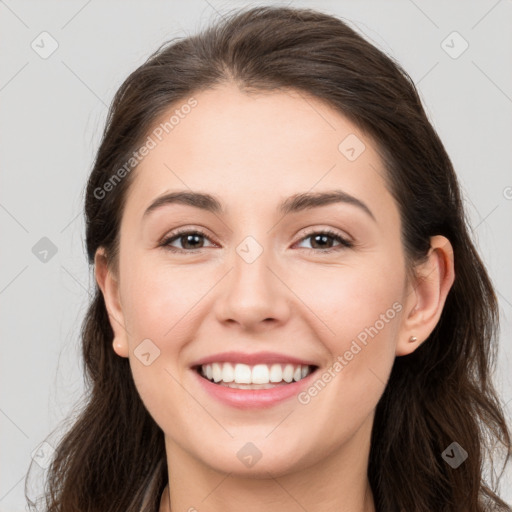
{"points": [[233, 367]]}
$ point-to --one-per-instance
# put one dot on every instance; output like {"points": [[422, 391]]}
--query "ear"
{"points": [[426, 295], [109, 286]]}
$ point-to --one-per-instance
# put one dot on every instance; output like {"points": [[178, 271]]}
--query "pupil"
{"points": [[322, 238], [188, 237]]}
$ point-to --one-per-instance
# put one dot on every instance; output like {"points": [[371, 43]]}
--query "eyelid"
{"points": [[175, 234], [345, 241], [327, 230]]}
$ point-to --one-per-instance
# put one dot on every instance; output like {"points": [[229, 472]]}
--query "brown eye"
{"points": [[321, 241], [189, 240]]}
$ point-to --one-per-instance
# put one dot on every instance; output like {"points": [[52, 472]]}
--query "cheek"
{"points": [[351, 299], [159, 306], [159, 300], [360, 311]]}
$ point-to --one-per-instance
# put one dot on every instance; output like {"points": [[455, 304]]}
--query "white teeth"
{"points": [[228, 373], [260, 374], [288, 373], [217, 372], [242, 374], [257, 374], [276, 373]]}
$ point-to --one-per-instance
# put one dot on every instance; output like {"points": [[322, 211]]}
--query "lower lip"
{"points": [[254, 398]]}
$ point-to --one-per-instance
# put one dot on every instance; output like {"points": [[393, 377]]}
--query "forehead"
{"points": [[254, 149]]}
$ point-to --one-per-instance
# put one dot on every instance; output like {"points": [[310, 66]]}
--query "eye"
{"points": [[191, 241], [186, 237], [321, 238]]}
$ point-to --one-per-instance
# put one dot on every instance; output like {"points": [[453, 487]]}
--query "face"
{"points": [[259, 279]]}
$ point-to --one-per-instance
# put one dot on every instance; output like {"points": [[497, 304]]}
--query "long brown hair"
{"points": [[113, 458]]}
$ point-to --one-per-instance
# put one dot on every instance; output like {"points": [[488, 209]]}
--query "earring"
{"points": [[412, 339]]}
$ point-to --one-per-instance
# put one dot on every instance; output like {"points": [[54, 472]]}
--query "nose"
{"points": [[253, 295]]}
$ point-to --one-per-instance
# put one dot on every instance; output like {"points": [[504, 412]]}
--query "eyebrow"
{"points": [[293, 204]]}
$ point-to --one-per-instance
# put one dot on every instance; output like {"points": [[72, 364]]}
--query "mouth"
{"points": [[259, 376]]}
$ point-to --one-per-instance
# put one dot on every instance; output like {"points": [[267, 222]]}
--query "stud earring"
{"points": [[412, 339]]}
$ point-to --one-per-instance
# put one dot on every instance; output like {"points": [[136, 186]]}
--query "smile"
{"points": [[259, 376]]}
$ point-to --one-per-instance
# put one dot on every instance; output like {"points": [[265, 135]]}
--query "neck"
{"points": [[366, 505]]}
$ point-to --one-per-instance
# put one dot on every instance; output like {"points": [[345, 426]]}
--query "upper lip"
{"points": [[251, 359]]}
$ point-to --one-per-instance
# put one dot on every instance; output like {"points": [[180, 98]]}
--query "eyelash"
{"points": [[344, 243]]}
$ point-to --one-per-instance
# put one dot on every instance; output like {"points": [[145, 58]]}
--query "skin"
{"points": [[253, 151]]}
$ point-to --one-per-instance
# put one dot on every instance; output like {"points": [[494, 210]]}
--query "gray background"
{"points": [[52, 115]]}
